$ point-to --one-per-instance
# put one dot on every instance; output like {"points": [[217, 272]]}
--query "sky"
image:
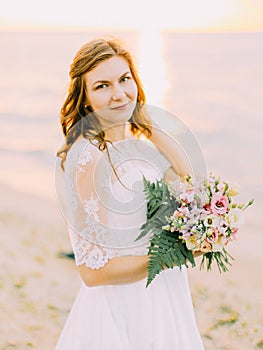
{"points": [[184, 15]]}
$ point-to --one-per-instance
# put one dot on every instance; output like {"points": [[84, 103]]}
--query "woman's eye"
{"points": [[124, 79], [101, 86]]}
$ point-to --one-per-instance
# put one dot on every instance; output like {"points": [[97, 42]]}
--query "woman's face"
{"points": [[111, 91]]}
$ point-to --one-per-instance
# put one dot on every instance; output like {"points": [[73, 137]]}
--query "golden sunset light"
{"points": [[198, 80], [190, 15], [155, 84]]}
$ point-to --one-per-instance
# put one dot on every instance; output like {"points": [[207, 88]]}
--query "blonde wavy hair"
{"points": [[74, 109]]}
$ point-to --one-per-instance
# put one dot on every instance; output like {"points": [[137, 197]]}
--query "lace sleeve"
{"points": [[86, 215]]}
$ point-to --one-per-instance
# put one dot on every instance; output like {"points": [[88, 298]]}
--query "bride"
{"points": [[110, 143]]}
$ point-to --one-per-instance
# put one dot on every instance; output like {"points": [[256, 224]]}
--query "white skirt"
{"points": [[132, 317]]}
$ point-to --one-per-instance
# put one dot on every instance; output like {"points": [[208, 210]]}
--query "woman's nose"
{"points": [[117, 92]]}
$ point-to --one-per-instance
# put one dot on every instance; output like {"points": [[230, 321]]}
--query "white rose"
{"points": [[233, 189], [235, 218]]}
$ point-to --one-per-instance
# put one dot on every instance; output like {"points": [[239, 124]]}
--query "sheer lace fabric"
{"points": [[105, 212]]}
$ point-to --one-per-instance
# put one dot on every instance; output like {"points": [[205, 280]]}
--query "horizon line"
{"points": [[44, 28]]}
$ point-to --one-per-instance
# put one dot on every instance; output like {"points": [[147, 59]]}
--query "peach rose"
{"points": [[214, 236]]}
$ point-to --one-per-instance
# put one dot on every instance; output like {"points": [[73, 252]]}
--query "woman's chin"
{"points": [[111, 118]]}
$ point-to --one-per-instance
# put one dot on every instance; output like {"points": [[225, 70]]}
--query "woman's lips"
{"points": [[120, 107]]}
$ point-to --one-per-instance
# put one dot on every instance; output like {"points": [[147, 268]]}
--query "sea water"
{"points": [[213, 82]]}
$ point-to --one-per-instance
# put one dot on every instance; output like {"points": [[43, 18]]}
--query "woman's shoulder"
{"points": [[83, 144], [83, 151]]}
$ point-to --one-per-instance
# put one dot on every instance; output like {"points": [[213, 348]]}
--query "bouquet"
{"points": [[187, 217]]}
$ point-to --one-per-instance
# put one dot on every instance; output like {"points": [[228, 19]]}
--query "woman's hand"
{"points": [[197, 253]]}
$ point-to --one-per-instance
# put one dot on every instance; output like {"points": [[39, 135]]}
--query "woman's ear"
{"points": [[87, 104], [88, 107]]}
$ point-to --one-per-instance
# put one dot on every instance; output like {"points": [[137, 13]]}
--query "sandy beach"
{"points": [[38, 287]]}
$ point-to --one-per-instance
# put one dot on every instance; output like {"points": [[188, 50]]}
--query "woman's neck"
{"points": [[118, 132]]}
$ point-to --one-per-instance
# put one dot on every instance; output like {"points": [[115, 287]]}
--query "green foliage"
{"points": [[222, 259], [166, 249], [260, 344], [159, 205], [156, 194]]}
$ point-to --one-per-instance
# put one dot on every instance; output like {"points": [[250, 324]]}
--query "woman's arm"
{"points": [[119, 270], [172, 151], [170, 175]]}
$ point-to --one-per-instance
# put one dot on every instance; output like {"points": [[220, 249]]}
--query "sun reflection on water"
{"points": [[152, 65]]}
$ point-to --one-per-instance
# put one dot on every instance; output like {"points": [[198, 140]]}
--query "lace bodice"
{"points": [[105, 213]]}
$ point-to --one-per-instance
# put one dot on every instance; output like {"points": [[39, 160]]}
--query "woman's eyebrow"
{"points": [[123, 75], [107, 81], [100, 82]]}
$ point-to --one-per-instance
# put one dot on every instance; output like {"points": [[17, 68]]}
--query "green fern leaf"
{"points": [[166, 250]]}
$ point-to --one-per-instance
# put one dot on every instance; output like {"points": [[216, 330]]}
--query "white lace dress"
{"points": [[104, 217]]}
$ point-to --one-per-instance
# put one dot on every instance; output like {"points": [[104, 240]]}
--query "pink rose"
{"points": [[207, 208], [219, 204]]}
